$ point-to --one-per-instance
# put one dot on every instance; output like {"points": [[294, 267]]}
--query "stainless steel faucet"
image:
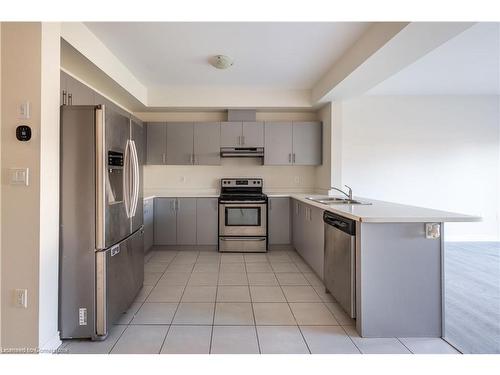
{"points": [[348, 195]]}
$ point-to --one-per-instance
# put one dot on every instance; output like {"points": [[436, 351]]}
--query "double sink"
{"points": [[334, 200]]}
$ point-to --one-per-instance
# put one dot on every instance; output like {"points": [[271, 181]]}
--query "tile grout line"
{"points": [[253, 310], [290, 308], [215, 306], [402, 343], [177, 308], [142, 303]]}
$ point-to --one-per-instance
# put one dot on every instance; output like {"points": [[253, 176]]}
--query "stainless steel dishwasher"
{"points": [[340, 260]]}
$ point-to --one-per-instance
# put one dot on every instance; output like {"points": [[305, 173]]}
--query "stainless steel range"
{"points": [[242, 215]]}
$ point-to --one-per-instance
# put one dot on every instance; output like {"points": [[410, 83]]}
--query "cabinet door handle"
{"points": [[163, 158], [239, 140], [242, 140], [289, 158], [293, 158], [177, 205], [70, 99], [64, 97]]}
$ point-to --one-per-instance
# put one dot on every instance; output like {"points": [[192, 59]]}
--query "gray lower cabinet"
{"points": [[206, 221], [307, 143], [308, 234], [165, 221], [180, 138], [298, 222], [186, 221], [278, 143], [148, 223], [207, 143], [279, 220], [156, 143]]}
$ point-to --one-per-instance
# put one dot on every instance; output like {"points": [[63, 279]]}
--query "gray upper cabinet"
{"points": [[63, 89], [279, 220], [288, 143], [242, 134], [253, 134], [78, 93], [165, 221], [206, 221], [278, 143], [180, 138], [73, 92], [186, 221], [230, 134], [307, 143], [156, 143], [207, 143]]}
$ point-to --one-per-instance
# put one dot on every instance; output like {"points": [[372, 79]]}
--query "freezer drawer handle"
{"points": [[241, 239], [115, 250]]}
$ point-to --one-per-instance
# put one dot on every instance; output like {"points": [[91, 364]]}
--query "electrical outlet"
{"points": [[21, 298], [296, 180], [183, 179]]}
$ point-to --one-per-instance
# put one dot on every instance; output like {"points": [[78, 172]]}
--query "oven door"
{"points": [[243, 219]]}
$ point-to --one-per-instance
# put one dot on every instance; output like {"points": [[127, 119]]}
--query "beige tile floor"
{"points": [[206, 302]]}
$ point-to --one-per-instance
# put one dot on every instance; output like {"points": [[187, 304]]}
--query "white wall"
{"points": [[49, 187], [0, 185], [159, 179], [434, 151]]}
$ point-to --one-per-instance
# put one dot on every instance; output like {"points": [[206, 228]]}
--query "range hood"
{"points": [[242, 152]]}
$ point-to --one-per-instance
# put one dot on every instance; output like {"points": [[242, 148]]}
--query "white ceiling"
{"points": [[276, 55], [468, 64]]}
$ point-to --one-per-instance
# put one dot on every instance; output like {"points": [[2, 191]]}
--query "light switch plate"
{"points": [[21, 298], [24, 110], [19, 176]]}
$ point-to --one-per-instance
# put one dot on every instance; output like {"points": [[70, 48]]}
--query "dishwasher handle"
{"points": [[341, 223]]}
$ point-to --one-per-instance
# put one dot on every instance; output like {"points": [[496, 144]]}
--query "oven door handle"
{"points": [[242, 202], [241, 239]]}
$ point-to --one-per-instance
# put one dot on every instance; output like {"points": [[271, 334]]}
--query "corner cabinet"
{"points": [[293, 143]]}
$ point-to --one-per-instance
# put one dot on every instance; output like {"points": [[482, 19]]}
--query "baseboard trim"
{"points": [[51, 345]]}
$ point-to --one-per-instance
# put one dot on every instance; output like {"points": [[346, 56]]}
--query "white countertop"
{"points": [[387, 212], [376, 212]]}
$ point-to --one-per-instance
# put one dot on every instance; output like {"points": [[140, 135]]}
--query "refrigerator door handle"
{"points": [[100, 157], [135, 179], [126, 180]]}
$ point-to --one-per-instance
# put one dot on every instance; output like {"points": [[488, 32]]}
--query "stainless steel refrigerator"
{"points": [[101, 216]]}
